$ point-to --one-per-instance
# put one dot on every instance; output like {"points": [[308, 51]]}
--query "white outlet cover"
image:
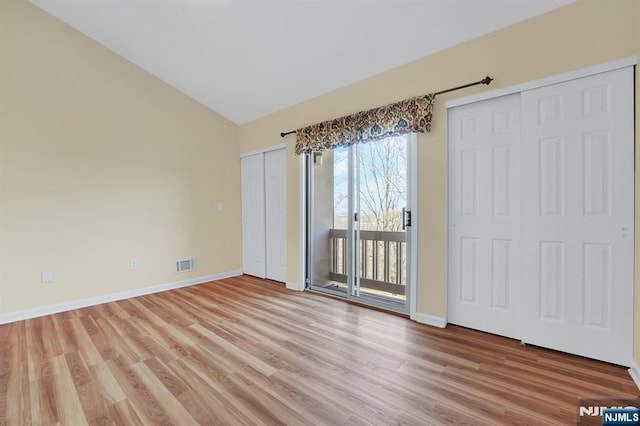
{"points": [[46, 276], [133, 265], [220, 207]]}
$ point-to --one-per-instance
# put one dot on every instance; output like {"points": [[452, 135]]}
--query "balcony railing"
{"points": [[382, 260]]}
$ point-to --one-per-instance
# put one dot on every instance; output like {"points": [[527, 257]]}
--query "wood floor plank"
{"points": [[94, 405], [216, 408], [44, 407], [244, 351], [106, 384], [66, 397], [146, 406], [123, 413], [16, 379], [175, 411]]}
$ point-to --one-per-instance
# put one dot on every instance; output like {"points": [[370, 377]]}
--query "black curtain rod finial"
{"points": [[487, 80], [283, 134]]}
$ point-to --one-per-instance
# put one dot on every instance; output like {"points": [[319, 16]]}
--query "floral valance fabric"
{"points": [[410, 115]]}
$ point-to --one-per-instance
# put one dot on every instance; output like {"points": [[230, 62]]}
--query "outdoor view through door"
{"points": [[359, 212]]}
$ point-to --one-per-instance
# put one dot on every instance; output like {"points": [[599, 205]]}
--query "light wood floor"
{"points": [[244, 351]]}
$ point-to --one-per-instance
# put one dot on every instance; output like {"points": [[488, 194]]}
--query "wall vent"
{"points": [[185, 265]]}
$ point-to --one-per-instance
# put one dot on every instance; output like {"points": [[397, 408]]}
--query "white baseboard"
{"points": [[293, 286], [634, 372], [92, 301], [430, 320]]}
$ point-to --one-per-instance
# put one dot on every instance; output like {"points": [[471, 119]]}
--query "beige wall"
{"points": [[582, 34], [101, 163]]}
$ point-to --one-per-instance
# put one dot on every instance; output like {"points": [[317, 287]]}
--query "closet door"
{"points": [[253, 216], [484, 215], [276, 214], [578, 195]]}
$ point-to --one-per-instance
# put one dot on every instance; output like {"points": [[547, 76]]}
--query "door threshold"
{"points": [[359, 303]]}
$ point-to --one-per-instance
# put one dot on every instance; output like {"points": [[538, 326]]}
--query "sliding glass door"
{"points": [[359, 222]]}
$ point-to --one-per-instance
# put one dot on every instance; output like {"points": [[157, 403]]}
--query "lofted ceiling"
{"points": [[248, 58]]}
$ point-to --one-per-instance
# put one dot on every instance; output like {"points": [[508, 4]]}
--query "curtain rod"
{"points": [[487, 80]]}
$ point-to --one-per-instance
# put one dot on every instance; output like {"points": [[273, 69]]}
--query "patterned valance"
{"points": [[410, 115]]}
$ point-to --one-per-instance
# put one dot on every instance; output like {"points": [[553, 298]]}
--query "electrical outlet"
{"points": [[220, 207], [46, 276], [133, 265]]}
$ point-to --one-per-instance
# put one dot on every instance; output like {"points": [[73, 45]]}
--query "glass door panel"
{"points": [[329, 263], [381, 200], [357, 244]]}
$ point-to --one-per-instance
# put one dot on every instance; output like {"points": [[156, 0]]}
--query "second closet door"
{"points": [[577, 241], [253, 215], [275, 185]]}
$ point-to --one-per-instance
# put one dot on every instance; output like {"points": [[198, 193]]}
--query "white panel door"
{"points": [[275, 166], [577, 244], [484, 215], [253, 215]]}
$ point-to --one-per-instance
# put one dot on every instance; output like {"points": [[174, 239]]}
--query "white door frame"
{"points": [[534, 84], [262, 151], [555, 79], [412, 243]]}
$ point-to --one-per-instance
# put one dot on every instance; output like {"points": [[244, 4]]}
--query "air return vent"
{"points": [[185, 265]]}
